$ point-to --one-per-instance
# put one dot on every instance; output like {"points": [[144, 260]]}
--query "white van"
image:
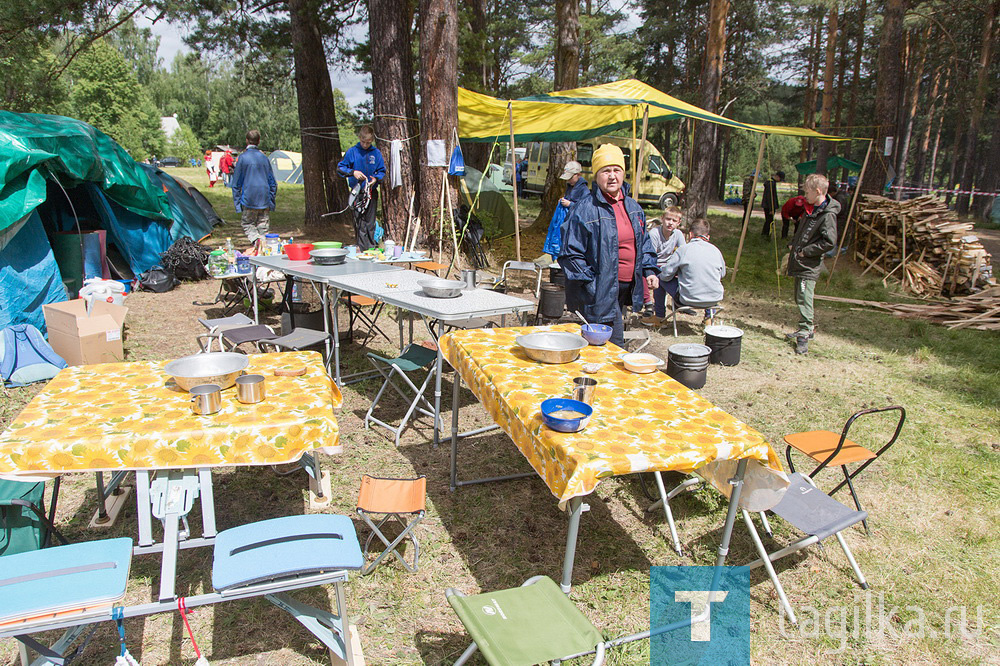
{"points": [[658, 184]]}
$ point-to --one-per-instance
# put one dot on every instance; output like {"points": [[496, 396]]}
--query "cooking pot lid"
{"points": [[723, 331], [689, 349]]}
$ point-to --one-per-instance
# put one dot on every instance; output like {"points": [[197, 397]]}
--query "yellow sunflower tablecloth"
{"points": [[132, 416], [640, 423]]}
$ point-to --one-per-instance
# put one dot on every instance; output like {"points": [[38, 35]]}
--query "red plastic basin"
{"points": [[298, 251]]}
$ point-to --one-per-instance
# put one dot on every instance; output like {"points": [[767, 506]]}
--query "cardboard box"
{"points": [[81, 339]]}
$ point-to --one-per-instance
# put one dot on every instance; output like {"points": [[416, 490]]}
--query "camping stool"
{"points": [[393, 498], [355, 312], [526, 266], [531, 624], [413, 358], [813, 512], [829, 448], [218, 325], [297, 340], [714, 307], [234, 337], [430, 266]]}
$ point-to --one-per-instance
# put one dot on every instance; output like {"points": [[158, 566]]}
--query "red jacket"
{"points": [[226, 163], [794, 208]]}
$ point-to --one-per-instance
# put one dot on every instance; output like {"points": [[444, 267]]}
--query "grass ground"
{"points": [[933, 499]]}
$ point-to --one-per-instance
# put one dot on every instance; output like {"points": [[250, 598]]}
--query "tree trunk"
{"points": [[711, 80], [978, 102], [886, 102], [567, 77], [438, 103], [841, 75], [585, 42], [325, 190], [956, 151], [477, 154], [828, 73], [859, 42], [809, 108], [932, 173], [925, 140], [991, 166], [910, 109], [394, 105]]}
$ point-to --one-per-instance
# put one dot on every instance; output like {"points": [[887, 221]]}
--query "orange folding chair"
{"points": [[392, 499], [829, 448], [430, 267]]}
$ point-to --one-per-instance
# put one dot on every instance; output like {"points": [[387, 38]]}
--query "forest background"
{"points": [[922, 75]]}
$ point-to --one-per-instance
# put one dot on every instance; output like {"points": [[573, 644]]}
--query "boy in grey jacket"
{"points": [[693, 274], [815, 235]]}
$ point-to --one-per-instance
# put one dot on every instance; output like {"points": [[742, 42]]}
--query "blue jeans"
{"points": [[671, 287], [660, 297]]}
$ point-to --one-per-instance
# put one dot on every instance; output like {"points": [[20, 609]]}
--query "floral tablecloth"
{"points": [[641, 422], [116, 416]]}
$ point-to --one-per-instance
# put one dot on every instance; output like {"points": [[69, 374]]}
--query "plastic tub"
{"points": [[298, 251], [725, 342], [327, 245], [688, 364]]}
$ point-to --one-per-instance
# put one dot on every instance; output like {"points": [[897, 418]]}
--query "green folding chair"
{"points": [[24, 525], [414, 357]]}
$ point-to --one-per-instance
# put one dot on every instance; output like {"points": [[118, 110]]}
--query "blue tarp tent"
{"points": [[29, 276]]}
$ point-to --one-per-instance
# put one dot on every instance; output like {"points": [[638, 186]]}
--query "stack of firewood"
{"points": [[922, 244]]}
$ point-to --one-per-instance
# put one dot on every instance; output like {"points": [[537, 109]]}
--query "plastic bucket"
{"points": [[725, 343], [688, 364], [557, 277], [298, 251], [552, 301]]}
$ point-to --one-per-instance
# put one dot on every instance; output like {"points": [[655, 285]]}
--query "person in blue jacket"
{"points": [[606, 253], [254, 190], [576, 186], [363, 164]]}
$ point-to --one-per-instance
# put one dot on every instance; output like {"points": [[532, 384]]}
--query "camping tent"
{"points": [[491, 205], [832, 162], [286, 166], [59, 177], [193, 216]]}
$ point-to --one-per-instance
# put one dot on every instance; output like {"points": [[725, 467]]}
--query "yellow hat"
{"points": [[607, 155]]}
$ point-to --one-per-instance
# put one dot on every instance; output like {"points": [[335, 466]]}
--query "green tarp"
{"points": [[35, 146], [832, 162]]}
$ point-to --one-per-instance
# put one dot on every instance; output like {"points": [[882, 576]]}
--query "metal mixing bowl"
{"points": [[552, 347], [442, 288], [220, 368], [328, 256]]}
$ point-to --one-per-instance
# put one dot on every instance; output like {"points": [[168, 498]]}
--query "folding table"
{"points": [[402, 290], [641, 423], [321, 276], [131, 416]]}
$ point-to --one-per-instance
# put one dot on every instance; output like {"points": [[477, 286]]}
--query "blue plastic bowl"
{"points": [[553, 405], [596, 334]]}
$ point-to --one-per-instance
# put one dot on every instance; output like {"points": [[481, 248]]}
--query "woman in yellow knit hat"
{"points": [[606, 253]]}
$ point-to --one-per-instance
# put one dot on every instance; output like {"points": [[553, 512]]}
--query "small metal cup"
{"points": [[206, 399], [250, 389], [583, 389]]}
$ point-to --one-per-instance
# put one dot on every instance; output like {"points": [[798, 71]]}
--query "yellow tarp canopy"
{"points": [[583, 113]]}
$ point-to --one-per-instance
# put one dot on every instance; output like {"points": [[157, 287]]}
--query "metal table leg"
{"points": [[734, 503], [576, 508]]}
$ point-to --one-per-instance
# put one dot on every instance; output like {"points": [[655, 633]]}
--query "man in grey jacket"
{"points": [[816, 235], [693, 273]]}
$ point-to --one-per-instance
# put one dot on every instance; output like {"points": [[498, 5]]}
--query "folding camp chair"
{"points": [[24, 524], [413, 358], [816, 514], [393, 498], [712, 307], [69, 587], [217, 326], [534, 623], [828, 448], [356, 305], [524, 266]]}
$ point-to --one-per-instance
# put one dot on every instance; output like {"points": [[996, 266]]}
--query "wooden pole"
{"points": [[634, 152], [746, 213], [513, 181], [444, 186], [454, 235], [850, 213], [639, 158]]}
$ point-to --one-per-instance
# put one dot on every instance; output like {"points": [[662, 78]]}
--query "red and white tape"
{"points": [[940, 190]]}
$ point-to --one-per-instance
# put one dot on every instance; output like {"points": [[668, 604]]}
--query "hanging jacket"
{"points": [[589, 257], [816, 235]]}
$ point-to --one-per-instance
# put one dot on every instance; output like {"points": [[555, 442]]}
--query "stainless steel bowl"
{"points": [[220, 368], [552, 347], [328, 256], [442, 288]]}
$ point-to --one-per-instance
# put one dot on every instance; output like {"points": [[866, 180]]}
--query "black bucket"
{"points": [[725, 343], [552, 301], [556, 276], [688, 364]]}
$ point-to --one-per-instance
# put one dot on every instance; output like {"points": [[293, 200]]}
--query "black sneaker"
{"points": [[801, 344], [794, 335], [684, 310]]}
